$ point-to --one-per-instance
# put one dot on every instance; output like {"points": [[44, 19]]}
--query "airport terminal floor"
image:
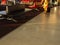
{"points": [[43, 29]]}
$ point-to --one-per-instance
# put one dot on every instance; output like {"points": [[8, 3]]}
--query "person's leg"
{"points": [[48, 10], [45, 10]]}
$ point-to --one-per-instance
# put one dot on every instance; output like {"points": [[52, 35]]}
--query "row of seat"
{"points": [[7, 10]]}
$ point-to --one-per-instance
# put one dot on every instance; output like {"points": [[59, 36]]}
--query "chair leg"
{"points": [[7, 18], [12, 19], [37, 9], [1, 17]]}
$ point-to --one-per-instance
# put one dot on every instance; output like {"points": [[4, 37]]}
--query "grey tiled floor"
{"points": [[44, 29]]}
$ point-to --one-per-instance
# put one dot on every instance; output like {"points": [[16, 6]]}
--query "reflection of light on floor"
{"points": [[53, 19], [55, 9], [43, 19], [53, 32]]}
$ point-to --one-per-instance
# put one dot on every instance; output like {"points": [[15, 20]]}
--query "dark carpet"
{"points": [[6, 26]]}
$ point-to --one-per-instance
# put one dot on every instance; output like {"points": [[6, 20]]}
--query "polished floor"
{"points": [[44, 29]]}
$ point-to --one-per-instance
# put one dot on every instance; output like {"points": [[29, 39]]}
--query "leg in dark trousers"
{"points": [[48, 10]]}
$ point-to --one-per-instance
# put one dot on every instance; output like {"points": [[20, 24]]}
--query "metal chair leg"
{"points": [[12, 19]]}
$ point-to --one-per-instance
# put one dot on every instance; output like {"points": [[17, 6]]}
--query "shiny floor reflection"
{"points": [[44, 29]]}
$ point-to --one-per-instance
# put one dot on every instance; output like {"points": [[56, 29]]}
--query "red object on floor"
{"points": [[3, 2]]}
